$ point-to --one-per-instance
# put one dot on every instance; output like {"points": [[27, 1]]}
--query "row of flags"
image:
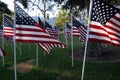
{"points": [[28, 30], [104, 27], [77, 29]]}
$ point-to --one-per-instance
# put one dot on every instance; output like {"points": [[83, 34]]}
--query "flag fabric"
{"points": [[2, 52], [75, 31], [67, 31], [8, 26], [105, 23], [28, 30], [1, 31], [57, 33], [54, 32], [81, 29]]}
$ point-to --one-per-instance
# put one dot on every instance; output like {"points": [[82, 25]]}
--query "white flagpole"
{"points": [[3, 60], [66, 37], [29, 46], [36, 55], [44, 15], [15, 69], [72, 40], [20, 49], [86, 43], [37, 50]]}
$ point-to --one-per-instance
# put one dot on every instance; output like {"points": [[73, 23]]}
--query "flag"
{"points": [[52, 31], [28, 30], [8, 26], [105, 23], [2, 52], [67, 31], [81, 29], [1, 31]]}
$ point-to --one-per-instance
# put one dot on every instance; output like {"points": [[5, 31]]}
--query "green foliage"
{"points": [[62, 17]]}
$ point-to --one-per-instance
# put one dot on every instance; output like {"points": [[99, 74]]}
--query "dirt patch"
{"points": [[24, 67], [108, 55]]}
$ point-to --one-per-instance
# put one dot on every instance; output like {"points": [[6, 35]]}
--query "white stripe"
{"points": [[96, 23], [8, 31], [43, 47], [31, 32], [113, 26], [98, 31], [99, 37], [27, 26], [118, 15]]}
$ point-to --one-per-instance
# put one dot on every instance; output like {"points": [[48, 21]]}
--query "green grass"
{"points": [[56, 65]]}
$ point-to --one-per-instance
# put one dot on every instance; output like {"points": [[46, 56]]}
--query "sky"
{"points": [[10, 4]]}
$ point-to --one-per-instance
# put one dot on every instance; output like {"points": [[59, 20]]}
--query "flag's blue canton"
{"points": [[8, 22], [1, 28], [23, 18], [76, 23], [101, 12], [68, 26]]}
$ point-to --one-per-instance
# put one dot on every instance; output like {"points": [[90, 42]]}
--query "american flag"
{"points": [[81, 29], [8, 26], [105, 23], [28, 30], [67, 31], [1, 31], [52, 31]]}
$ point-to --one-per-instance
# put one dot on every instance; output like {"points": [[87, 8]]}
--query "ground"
{"points": [[24, 67], [108, 55]]}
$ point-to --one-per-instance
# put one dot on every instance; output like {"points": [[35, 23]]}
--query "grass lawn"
{"points": [[56, 65]]}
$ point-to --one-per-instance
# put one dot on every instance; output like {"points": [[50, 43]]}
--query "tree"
{"points": [[47, 5], [62, 17], [4, 9]]}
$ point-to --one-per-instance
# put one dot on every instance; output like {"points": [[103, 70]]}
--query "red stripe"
{"points": [[32, 35], [117, 18], [97, 40], [110, 21]]}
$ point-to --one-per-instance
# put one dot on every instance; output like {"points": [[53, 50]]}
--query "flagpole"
{"points": [[20, 49], [72, 40], [36, 55], [86, 43], [44, 15], [3, 60], [37, 47], [15, 69], [65, 36]]}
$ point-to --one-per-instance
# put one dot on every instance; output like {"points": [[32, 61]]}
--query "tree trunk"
{"points": [[94, 49]]}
